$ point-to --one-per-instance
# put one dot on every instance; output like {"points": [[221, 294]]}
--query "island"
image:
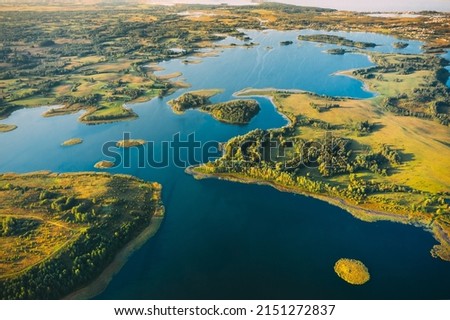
{"points": [[104, 164], [400, 45], [63, 65], [381, 159], [7, 127], [233, 112], [352, 271], [62, 231], [130, 143], [72, 142], [337, 51], [286, 43], [341, 41]]}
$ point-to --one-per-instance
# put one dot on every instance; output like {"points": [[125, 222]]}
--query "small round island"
{"points": [[352, 271]]}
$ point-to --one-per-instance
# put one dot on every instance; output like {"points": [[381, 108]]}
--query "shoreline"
{"points": [[361, 213], [100, 283], [372, 215]]}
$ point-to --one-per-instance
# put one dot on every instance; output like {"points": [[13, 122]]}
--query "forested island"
{"points": [[58, 232], [409, 85], [234, 111], [384, 158], [400, 45], [341, 41]]}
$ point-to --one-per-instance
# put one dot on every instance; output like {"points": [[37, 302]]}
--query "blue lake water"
{"points": [[228, 240]]}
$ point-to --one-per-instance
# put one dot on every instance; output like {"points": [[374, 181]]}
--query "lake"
{"points": [[224, 240]]}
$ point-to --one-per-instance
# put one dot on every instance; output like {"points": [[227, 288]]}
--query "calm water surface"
{"points": [[228, 240]]}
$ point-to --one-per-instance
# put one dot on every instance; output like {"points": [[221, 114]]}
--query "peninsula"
{"points": [[233, 112], [61, 231], [376, 157]]}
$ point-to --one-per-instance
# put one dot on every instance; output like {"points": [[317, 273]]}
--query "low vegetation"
{"points": [[7, 127], [104, 164], [72, 142], [352, 271], [400, 45], [59, 231]]}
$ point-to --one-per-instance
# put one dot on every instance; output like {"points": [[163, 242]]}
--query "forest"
{"points": [[348, 151], [341, 41]]}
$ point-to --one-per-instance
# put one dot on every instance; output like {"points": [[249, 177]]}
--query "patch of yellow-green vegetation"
{"points": [[72, 142], [108, 113], [7, 127], [352, 271], [104, 164], [130, 143], [60, 231]]}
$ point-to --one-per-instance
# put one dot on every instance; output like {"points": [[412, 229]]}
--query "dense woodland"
{"points": [[430, 99], [43, 53]]}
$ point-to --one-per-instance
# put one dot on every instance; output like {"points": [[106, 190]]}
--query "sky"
{"points": [[356, 5]]}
